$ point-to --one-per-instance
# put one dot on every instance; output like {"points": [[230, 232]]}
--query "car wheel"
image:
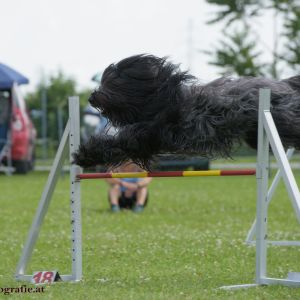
{"points": [[31, 163], [21, 166]]}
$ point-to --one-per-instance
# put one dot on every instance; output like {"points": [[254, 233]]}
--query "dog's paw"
{"points": [[97, 151], [81, 157]]}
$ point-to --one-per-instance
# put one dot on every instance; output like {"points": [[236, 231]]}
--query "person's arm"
{"points": [[129, 185], [144, 182], [138, 185]]}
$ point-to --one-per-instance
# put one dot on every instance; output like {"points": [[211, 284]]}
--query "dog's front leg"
{"points": [[136, 142]]}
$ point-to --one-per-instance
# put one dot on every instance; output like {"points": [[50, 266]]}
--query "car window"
{"points": [[18, 98]]}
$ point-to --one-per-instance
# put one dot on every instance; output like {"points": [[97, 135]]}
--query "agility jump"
{"points": [[267, 135]]}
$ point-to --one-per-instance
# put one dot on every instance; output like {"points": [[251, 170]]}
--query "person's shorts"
{"points": [[129, 202]]}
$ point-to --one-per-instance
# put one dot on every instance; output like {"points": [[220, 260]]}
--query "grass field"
{"points": [[187, 243]]}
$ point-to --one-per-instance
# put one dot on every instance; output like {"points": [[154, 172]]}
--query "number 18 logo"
{"points": [[44, 277]]}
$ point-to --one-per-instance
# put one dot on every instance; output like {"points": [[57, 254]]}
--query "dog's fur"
{"points": [[160, 109]]}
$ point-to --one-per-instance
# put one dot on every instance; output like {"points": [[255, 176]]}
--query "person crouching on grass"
{"points": [[128, 193]]}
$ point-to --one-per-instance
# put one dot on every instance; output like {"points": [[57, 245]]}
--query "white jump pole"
{"points": [[76, 234], [262, 177]]}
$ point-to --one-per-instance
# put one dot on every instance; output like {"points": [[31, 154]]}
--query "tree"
{"points": [[237, 55], [235, 10], [56, 89], [292, 34], [241, 52]]}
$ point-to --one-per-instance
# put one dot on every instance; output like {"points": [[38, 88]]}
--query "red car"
{"points": [[18, 129]]}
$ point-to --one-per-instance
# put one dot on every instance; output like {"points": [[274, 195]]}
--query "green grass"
{"points": [[187, 243]]}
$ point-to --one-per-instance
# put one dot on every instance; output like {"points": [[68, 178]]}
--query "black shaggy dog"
{"points": [[160, 109]]}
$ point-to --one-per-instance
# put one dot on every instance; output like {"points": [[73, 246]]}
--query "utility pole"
{"points": [[190, 44], [44, 123]]}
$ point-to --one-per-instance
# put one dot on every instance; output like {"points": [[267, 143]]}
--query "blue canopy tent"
{"points": [[9, 76]]}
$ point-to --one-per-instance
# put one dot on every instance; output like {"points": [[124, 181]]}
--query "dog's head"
{"points": [[138, 88]]}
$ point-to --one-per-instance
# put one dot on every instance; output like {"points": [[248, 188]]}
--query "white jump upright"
{"points": [[267, 135], [69, 141]]}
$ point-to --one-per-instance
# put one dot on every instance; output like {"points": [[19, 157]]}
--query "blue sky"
{"points": [[82, 37]]}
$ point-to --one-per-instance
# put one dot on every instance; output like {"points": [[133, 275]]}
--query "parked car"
{"points": [[94, 123], [20, 132]]}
